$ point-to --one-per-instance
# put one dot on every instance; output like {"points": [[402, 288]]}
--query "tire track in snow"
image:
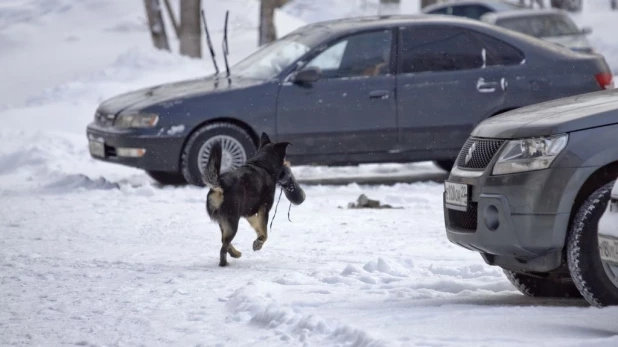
{"points": [[296, 307], [289, 323]]}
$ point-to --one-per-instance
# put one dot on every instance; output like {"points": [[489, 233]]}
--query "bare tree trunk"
{"points": [[268, 32], [190, 28], [425, 3], [538, 2], [387, 7], [156, 25]]}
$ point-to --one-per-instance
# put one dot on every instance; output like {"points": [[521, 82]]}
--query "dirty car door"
{"points": [[351, 109], [447, 83]]}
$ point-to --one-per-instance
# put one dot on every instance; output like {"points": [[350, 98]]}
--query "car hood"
{"points": [[172, 92], [554, 117]]}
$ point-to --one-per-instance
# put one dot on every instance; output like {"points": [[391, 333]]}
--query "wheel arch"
{"points": [[600, 177], [597, 179]]}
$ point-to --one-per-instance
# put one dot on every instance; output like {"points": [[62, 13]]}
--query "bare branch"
{"points": [[170, 12]]}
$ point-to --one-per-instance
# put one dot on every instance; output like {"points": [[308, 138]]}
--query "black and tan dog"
{"points": [[247, 191]]}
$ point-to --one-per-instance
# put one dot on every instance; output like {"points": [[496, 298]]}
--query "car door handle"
{"points": [[486, 87], [379, 94]]}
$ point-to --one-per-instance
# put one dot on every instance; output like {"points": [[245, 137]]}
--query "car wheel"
{"points": [[446, 165], [237, 146], [594, 278], [534, 286], [167, 178]]}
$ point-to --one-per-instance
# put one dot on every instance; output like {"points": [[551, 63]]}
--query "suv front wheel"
{"points": [[536, 286], [584, 257]]}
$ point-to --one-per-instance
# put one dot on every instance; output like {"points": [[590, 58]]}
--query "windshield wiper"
{"points": [[209, 42], [224, 44]]}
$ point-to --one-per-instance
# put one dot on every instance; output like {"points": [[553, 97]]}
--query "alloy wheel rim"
{"points": [[233, 153], [611, 270]]}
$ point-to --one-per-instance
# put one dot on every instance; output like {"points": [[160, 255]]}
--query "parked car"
{"points": [[528, 190], [377, 89], [471, 9], [569, 5], [555, 26], [595, 285]]}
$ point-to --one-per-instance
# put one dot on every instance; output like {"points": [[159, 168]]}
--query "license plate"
{"points": [[97, 148], [608, 247], [456, 196]]}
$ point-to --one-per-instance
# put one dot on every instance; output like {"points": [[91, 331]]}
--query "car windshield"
{"points": [[540, 26], [271, 59]]}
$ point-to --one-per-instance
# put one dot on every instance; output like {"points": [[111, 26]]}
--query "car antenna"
{"points": [[224, 44], [212, 51]]}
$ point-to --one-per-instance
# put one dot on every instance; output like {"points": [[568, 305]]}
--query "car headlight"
{"points": [[529, 154], [137, 120]]}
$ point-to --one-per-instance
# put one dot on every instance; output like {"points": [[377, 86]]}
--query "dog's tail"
{"points": [[213, 167]]}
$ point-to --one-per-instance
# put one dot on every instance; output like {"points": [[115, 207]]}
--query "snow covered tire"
{"points": [[189, 159], [583, 254], [446, 165], [535, 286], [167, 178]]}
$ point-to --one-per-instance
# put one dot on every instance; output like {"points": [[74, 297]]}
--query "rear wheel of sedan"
{"points": [[446, 165], [537, 286], [167, 178], [236, 143], [595, 279]]}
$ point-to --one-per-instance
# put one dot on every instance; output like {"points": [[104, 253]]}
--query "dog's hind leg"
{"points": [[259, 222], [229, 227]]}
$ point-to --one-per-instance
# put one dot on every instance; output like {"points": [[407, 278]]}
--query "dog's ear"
{"points": [[280, 148], [264, 140]]}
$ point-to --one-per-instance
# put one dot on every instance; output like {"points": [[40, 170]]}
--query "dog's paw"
{"points": [[223, 263], [235, 253], [257, 244]]}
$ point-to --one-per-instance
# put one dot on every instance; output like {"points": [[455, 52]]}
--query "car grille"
{"points": [[480, 156], [104, 119], [464, 220]]}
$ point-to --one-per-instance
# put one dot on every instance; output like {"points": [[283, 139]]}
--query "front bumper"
{"points": [[162, 151], [517, 221]]}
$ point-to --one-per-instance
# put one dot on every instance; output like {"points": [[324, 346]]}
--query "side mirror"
{"points": [[586, 30], [308, 75]]}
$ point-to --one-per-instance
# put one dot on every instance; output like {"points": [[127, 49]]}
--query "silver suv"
{"points": [[528, 189]]}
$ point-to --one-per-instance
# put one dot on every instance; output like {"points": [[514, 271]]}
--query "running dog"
{"points": [[247, 191]]}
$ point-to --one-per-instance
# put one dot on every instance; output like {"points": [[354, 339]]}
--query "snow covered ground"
{"points": [[94, 254], [103, 266]]}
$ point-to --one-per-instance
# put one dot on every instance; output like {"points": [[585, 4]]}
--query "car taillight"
{"points": [[605, 80]]}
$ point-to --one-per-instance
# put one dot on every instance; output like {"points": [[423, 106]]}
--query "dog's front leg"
{"points": [[259, 222], [228, 231]]}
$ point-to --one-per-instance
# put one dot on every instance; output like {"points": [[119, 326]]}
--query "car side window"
{"points": [[470, 11], [500, 52], [438, 49], [366, 54]]}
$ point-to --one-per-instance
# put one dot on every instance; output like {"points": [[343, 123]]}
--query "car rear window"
{"points": [[540, 25], [470, 11], [438, 49], [499, 52]]}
